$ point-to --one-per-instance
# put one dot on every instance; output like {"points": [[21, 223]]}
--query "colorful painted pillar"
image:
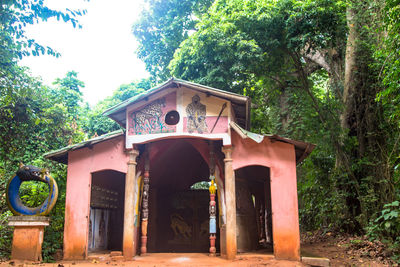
{"points": [[213, 218], [128, 241], [145, 205], [230, 196], [212, 208]]}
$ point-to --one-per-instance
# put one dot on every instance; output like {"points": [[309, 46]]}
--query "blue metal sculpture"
{"points": [[31, 173]]}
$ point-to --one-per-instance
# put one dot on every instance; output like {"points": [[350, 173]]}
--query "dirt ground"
{"points": [[341, 250], [346, 250]]}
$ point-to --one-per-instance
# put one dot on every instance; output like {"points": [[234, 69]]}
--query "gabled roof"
{"points": [[240, 103]]}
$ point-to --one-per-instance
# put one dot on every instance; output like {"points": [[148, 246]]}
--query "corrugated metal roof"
{"points": [[302, 149], [61, 155]]}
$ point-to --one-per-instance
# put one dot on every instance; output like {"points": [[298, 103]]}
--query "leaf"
{"points": [[394, 214]]}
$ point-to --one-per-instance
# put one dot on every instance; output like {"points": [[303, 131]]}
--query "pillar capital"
{"points": [[227, 150], [132, 153]]}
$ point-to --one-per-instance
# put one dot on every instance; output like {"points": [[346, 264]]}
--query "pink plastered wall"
{"points": [[108, 155], [280, 158]]}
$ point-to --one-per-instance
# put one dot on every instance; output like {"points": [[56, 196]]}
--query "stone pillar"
{"points": [[28, 237], [130, 183], [230, 196]]}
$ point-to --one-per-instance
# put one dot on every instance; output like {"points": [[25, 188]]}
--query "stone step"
{"points": [[115, 253], [313, 261], [117, 258]]}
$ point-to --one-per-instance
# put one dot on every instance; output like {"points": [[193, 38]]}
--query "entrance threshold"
{"points": [[201, 259], [189, 259]]}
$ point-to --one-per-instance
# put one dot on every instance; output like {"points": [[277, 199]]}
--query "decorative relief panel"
{"points": [[150, 119], [204, 115], [196, 120]]}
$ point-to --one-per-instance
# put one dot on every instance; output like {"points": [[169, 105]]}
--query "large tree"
{"points": [[310, 69], [162, 26]]}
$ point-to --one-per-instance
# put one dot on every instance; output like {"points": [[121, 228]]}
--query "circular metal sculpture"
{"points": [[172, 117], [31, 173]]}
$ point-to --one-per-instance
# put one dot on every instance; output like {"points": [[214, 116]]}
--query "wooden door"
{"points": [[183, 221]]}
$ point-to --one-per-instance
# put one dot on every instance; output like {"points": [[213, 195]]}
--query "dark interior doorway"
{"points": [[178, 215], [106, 211], [253, 209]]}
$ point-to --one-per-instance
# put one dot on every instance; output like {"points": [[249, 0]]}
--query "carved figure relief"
{"points": [[204, 228], [149, 119], [181, 229], [196, 113]]}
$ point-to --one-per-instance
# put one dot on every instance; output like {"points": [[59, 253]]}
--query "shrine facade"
{"points": [[185, 175]]}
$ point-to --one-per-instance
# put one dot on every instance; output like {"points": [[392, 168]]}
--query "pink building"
{"points": [[140, 190]]}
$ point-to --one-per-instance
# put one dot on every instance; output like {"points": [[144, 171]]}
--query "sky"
{"points": [[102, 52]]}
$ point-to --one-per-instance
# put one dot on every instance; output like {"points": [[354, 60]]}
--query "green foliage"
{"points": [[54, 233], [387, 227], [162, 26], [15, 16], [388, 223], [6, 234], [33, 193], [246, 44], [389, 52], [33, 121], [203, 185], [67, 92]]}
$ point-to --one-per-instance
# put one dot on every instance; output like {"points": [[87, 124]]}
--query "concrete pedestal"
{"points": [[28, 237]]}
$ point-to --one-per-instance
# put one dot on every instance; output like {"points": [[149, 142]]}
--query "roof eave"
{"points": [[61, 155], [302, 149]]}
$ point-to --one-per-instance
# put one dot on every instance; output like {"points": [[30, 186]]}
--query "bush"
{"points": [[386, 227]]}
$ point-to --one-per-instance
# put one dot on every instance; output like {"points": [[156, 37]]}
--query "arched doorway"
{"points": [[106, 211], [253, 209], [178, 215]]}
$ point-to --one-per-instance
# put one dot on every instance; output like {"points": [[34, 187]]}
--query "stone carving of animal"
{"points": [[29, 173], [180, 227], [148, 119]]}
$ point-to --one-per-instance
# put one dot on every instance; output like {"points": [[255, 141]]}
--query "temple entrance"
{"points": [[186, 214], [253, 209], [106, 211], [178, 215]]}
